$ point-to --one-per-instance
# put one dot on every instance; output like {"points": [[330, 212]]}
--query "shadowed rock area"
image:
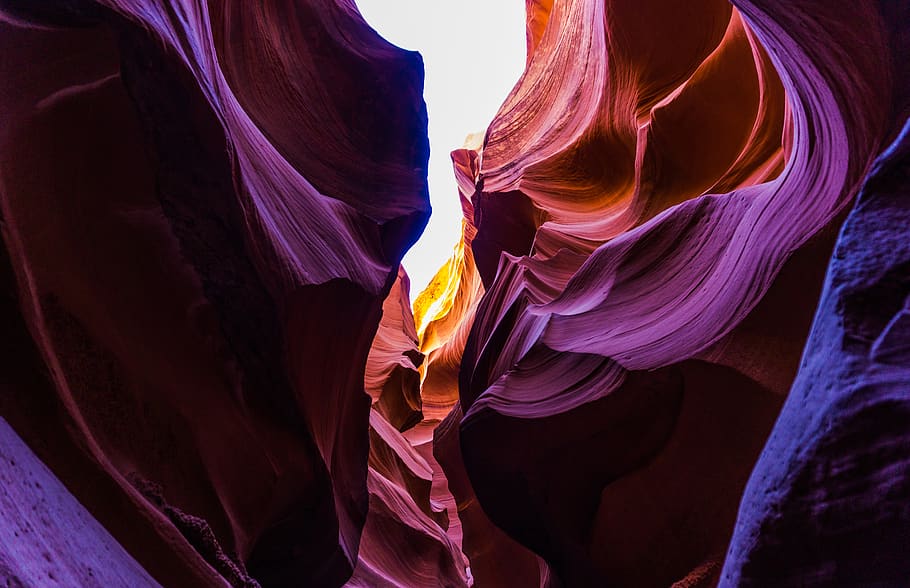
{"points": [[671, 347]]}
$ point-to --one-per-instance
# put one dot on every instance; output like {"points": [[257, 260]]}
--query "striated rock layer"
{"points": [[653, 210], [204, 206], [406, 539], [392, 378], [616, 379], [828, 503]]}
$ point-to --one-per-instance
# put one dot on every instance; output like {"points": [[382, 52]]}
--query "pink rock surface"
{"points": [[208, 338], [392, 379], [405, 543], [685, 165]]}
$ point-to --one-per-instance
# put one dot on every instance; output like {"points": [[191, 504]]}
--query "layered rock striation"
{"points": [[204, 206], [661, 193], [641, 365]]}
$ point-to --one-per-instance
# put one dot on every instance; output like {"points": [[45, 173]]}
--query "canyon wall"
{"points": [[653, 211], [204, 207], [671, 347]]}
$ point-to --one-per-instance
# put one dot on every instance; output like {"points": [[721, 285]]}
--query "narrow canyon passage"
{"points": [[656, 333], [710, 121], [465, 82]]}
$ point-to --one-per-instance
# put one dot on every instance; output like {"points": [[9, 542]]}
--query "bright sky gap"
{"points": [[473, 53]]}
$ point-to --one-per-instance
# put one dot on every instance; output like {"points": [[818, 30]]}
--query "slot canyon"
{"points": [[670, 348]]}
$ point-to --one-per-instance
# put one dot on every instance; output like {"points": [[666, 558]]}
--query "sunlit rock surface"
{"points": [[404, 541], [392, 379], [444, 311], [660, 195], [622, 375]]}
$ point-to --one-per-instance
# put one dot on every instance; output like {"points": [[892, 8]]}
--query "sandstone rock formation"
{"points": [[392, 378], [662, 207], [827, 503], [641, 365], [46, 536], [191, 289]]}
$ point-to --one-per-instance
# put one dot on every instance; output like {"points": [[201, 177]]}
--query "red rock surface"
{"points": [[200, 287], [622, 376], [404, 540], [392, 379], [661, 195]]}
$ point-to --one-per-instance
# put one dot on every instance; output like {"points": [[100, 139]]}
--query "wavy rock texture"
{"points": [[444, 312], [204, 206], [615, 380], [485, 545], [406, 539], [660, 195], [392, 378], [827, 503]]}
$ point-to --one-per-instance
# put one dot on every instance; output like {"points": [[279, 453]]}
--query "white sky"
{"points": [[473, 53]]}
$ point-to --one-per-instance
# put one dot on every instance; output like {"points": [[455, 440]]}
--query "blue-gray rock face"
{"points": [[828, 503], [46, 537]]}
